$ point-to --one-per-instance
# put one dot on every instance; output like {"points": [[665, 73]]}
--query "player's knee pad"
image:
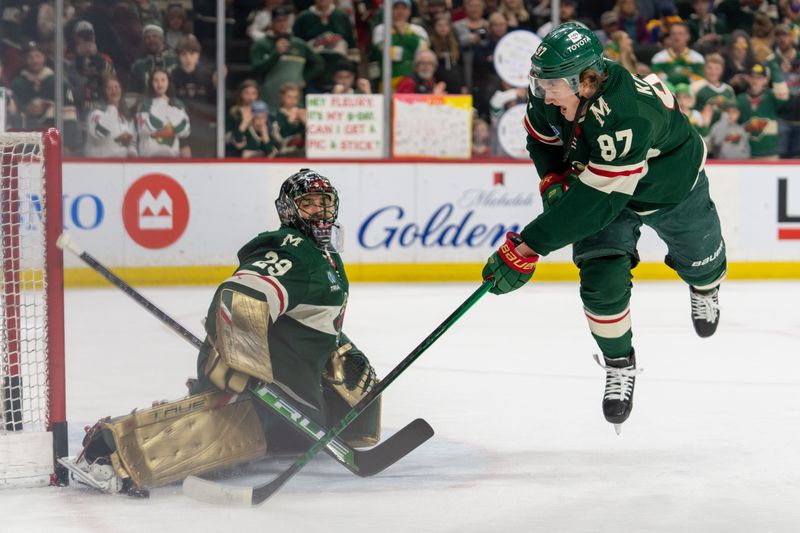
{"points": [[173, 440], [348, 378], [606, 284]]}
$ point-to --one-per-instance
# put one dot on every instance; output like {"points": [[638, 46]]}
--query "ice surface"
{"points": [[514, 396]]}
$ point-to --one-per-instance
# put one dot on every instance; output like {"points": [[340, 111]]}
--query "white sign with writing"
{"points": [[436, 126], [511, 133], [344, 126], [512, 57]]}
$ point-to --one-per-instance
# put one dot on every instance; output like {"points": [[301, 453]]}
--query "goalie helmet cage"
{"points": [[33, 427]]}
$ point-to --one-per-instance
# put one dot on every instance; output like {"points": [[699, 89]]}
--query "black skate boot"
{"points": [[705, 310], [620, 380]]}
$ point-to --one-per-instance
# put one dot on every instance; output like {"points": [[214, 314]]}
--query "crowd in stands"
{"points": [[140, 79]]}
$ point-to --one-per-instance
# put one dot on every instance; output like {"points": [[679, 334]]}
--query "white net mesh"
{"points": [[23, 324]]}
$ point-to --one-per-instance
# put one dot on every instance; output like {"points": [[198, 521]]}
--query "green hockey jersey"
{"points": [[307, 294], [634, 148]]}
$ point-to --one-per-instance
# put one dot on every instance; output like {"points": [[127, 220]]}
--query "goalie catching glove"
{"points": [[509, 269]]}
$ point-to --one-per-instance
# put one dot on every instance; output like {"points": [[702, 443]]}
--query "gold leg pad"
{"points": [[197, 434]]}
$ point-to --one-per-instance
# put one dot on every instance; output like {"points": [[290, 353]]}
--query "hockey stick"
{"points": [[361, 462], [212, 492]]}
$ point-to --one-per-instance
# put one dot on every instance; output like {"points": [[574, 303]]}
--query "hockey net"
{"points": [[32, 407]]}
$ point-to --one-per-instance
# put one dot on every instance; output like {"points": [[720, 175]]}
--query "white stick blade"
{"points": [[217, 493]]}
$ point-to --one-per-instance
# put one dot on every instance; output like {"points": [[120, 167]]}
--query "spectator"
{"points": [[711, 90], [516, 15], [620, 49], [658, 28], [762, 38], [176, 25], [481, 139], [329, 33], [345, 82], [566, 13], [280, 57], [789, 115], [700, 120], [445, 45], [157, 57], [759, 107], [609, 23], [485, 76], [502, 100], [728, 139], [289, 124], [162, 120], [240, 115], [738, 61], [422, 80], [472, 32], [541, 12], [254, 140], [261, 20], [650, 9], [678, 63], [429, 11], [631, 21], [705, 28], [790, 16], [407, 40], [194, 85], [34, 94], [13, 119], [148, 12], [739, 14], [90, 69], [110, 128]]}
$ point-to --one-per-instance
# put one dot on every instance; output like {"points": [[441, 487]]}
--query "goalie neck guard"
{"points": [[309, 203]]}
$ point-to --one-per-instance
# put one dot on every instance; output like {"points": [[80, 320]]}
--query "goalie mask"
{"points": [[309, 203]]}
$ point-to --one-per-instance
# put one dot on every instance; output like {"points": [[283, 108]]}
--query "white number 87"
{"points": [[608, 149]]}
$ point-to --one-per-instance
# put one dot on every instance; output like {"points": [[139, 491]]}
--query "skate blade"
{"points": [[618, 428], [79, 475]]}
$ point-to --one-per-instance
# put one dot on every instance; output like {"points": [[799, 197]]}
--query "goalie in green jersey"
{"points": [[614, 152], [277, 319]]}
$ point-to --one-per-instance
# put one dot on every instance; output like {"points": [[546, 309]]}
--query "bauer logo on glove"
{"points": [[510, 269]]}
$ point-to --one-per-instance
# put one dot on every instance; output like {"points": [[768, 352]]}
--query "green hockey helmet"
{"points": [[563, 54]]}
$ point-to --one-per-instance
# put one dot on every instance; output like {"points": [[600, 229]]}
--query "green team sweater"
{"points": [[705, 93], [298, 64], [331, 41], [307, 294], [634, 149], [684, 68], [760, 119]]}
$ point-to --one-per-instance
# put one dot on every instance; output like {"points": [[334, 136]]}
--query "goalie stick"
{"points": [[361, 462], [212, 492]]}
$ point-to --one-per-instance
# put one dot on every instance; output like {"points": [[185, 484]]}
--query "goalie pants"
{"points": [[695, 250]]}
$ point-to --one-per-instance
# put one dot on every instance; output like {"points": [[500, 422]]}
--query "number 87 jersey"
{"points": [[633, 148]]}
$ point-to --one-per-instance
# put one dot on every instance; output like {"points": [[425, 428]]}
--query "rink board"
{"points": [[183, 222]]}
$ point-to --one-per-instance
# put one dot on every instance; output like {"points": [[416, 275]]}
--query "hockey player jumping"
{"points": [[614, 152]]}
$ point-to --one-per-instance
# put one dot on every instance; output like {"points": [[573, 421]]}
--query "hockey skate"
{"points": [[98, 475], [705, 310], [620, 380]]}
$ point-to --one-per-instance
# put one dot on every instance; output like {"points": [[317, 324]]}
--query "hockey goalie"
{"points": [[277, 319]]}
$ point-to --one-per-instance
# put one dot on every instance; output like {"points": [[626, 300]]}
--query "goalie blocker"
{"points": [[278, 320]]}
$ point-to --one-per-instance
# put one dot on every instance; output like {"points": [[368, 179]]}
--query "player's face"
{"points": [[557, 92], [317, 206]]}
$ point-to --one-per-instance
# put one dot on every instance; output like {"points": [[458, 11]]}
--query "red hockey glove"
{"points": [[509, 269], [553, 186]]}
